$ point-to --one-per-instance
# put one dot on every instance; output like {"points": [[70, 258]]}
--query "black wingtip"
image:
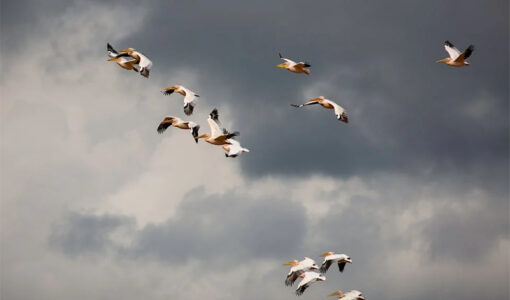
{"points": [[447, 43], [279, 54], [214, 114]]}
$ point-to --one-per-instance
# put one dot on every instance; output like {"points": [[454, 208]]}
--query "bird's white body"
{"points": [[233, 148], [353, 295]]}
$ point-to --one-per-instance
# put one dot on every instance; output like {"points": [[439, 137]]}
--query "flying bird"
{"points": [[189, 97], [350, 295], [300, 67], [340, 112], [457, 58], [176, 122], [330, 257], [233, 148], [123, 62], [217, 136], [308, 279], [298, 268], [141, 60]]}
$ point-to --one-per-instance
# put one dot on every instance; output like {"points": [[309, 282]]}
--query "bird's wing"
{"points": [[167, 122], [303, 65], [215, 128], [111, 51], [309, 102], [341, 266], [325, 265], [301, 289], [452, 51], [292, 277], [287, 60], [467, 53]]}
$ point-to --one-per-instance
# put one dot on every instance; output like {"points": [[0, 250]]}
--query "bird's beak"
{"points": [[289, 263], [349, 261], [111, 59], [441, 60], [281, 66], [361, 298], [314, 267], [324, 254], [337, 293]]}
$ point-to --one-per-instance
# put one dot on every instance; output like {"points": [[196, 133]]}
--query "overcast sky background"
{"points": [[96, 205]]}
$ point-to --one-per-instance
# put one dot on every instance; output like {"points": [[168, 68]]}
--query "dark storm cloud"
{"points": [[407, 113], [81, 234], [229, 228]]}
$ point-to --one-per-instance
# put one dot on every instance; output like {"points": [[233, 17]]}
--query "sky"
{"points": [[96, 205]]}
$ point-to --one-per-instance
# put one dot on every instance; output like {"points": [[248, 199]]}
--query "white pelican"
{"points": [[143, 62], [216, 137], [189, 97], [125, 63], [308, 278], [176, 122], [300, 67], [298, 268], [340, 112], [233, 148], [330, 257], [457, 58], [350, 295]]}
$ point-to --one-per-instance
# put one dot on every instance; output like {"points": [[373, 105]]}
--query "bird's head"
{"points": [[347, 260], [314, 267]]}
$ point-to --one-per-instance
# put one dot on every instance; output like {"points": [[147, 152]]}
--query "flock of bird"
{"points": [[303, 269], [130, 59]]}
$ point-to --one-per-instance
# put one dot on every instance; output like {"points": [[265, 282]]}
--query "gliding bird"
{"points": [[308, 279], [457, 58], [123, 62], [330, 257], [300, 67], [350, 295], [216, 137], [189, 97], [298, 268], [176, 122], [340, 112]]}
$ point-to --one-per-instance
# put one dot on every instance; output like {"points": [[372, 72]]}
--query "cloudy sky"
{"points": [[96, 205]]}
